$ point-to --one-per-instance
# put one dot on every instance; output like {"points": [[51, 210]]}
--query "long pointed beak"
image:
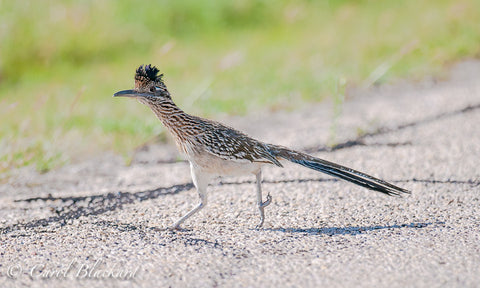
{"points": [[130, 93], [126, 93]]}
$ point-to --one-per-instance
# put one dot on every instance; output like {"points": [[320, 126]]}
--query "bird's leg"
{"points": [[260, 204], [203, 202], [200, 180]]}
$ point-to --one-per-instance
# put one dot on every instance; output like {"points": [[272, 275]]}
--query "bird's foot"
{"points": [[259, 225], [175, 227], [261, 207], [267, 202]]}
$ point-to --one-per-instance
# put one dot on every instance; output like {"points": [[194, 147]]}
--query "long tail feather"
{"points": [[337, 170]]}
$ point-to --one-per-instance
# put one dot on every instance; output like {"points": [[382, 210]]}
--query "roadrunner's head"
{"points": [[149, 86]]}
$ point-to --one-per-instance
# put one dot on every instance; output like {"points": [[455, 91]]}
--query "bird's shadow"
{"points": [[351, 230], [73, 207]]}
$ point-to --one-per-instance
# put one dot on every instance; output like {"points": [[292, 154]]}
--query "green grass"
{"points": [[61, 61]]}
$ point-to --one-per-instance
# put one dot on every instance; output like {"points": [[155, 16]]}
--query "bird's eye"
{"points": [[152, 89]]}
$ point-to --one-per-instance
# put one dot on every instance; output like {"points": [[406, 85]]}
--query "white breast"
{"points": [[215, 165]]}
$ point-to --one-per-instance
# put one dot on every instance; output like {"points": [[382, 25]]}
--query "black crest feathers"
{"points": [[148, 73]]}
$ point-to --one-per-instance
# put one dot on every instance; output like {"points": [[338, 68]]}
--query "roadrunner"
{"points": [[214, 149]]}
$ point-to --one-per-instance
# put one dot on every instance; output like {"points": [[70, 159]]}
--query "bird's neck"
{"points": [[172, 117], [167, 111]]}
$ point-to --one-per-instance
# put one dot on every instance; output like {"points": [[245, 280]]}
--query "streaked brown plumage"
{"points": [[214, 149]]}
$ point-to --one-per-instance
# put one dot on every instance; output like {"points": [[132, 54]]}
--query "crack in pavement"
{"points": [[302, 180], [359, 141]]}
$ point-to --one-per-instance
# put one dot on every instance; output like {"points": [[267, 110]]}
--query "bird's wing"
{"points": [[230, 144]]}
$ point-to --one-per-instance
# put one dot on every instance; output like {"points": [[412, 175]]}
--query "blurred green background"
{"points": [[61, 61]]}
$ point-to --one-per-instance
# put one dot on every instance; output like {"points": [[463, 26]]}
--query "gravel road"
{"points": [[100, 223]]}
